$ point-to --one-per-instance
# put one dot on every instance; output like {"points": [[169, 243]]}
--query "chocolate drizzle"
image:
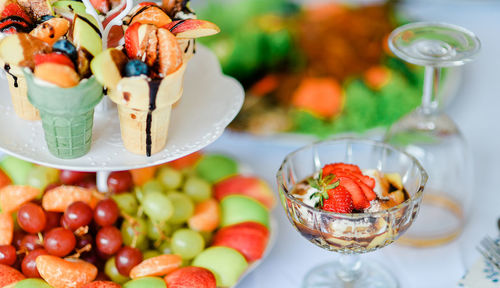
{"points": [[154, 85], [7, 70]]}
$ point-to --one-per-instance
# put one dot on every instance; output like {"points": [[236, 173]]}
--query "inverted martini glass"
{"points": [[356, 233], [430, 135]]}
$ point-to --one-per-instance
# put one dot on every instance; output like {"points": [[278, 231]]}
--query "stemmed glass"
{"points": [[430, 135], [356, 233]]}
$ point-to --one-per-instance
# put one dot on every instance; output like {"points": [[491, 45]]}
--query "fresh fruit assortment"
{"points": [[144, 78], [345, 188], [316, 69], [194, 222]]}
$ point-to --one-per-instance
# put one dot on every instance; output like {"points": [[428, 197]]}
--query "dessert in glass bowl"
{"points": [[351, 196]]}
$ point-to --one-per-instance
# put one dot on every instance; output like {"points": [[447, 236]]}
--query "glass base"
{"points": [[371, 275]]}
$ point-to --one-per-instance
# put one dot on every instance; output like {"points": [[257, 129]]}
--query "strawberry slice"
{"points": [[359, 199], [339, 201], [367, 190], [328, 169], [132, 40], [14, 24], [58, 58], [367, 180], [14, 9]]}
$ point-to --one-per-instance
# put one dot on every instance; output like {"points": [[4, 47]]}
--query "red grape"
{"points": [[17, 238], [31, 218], [126, 258], [68, 177], [87, 183], [60, 242], [84, 240], [30, 242], [109, 240], [53, 220], [7, 254], [106, 212], [120, 181], [77, 214], [28, 265]]}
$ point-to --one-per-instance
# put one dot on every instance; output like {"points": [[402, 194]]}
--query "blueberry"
{"points": [[65, 47], [136, 68], [45, 18]]}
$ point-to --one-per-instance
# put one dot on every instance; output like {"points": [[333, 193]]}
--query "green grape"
{"points": [[171, 178], [126, 202], [165, 248], [153, 186], [187, 243], [139, 193], [112, 272], [150, 254], [183, 208], [157, 206], [154, 230], [41, 176], [130, 229], [207, 236], [198, 189]]}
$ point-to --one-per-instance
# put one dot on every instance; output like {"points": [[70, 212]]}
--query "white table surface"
{"points": [[476, 109]]}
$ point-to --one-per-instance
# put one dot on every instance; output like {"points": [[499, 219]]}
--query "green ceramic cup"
{"points": [[67, 114]]}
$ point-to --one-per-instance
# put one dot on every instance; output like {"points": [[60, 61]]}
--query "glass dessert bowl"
{"points": [[328, 202]]}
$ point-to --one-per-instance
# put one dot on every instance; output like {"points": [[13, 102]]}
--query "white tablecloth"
{"points": [[476, 109]]}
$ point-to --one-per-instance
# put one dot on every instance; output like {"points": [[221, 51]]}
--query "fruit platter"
{"points": [[192, 222], [111, 87], [308, 74]]}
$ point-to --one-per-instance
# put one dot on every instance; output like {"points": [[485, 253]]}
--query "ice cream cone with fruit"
{"points": [[145, 77], [55, 60]]}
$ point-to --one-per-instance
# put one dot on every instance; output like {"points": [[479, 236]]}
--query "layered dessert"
{"points": [[144, 77], [55, 60], [362, 196]]}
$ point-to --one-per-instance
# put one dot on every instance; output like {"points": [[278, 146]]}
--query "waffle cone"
{"points": [[19, 94], [133, 124], [132, 96]]}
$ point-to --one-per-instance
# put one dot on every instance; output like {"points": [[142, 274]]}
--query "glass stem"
{"points": [[431, 86], [350, 267]]}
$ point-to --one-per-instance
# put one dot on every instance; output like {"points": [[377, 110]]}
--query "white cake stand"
{"points": [[210, 102]]}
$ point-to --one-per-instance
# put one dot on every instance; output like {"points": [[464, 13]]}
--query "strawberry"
{"points": [[13, 9], [339, 201], [359, 198], [328, 169], [132, 40], [367, 180], [360, 180], [54, 57], [14, 24]]}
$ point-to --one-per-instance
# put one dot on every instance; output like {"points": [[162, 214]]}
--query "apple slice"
{"points": [[107, 67], [20, 48], [192, 28], [86, 35], [67, 9]]}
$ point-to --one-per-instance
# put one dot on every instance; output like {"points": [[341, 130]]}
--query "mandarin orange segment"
{"points": [[51, 30], [152, 15], [142, 175], [156, 266], [170, 52], [206, 216], [13, 196], [61, 273], [57, 199], [6, 228]]}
